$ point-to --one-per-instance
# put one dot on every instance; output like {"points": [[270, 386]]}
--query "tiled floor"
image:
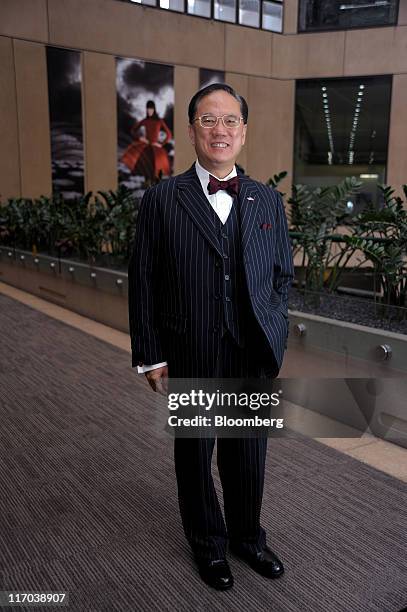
{"points": [[382, 455]]}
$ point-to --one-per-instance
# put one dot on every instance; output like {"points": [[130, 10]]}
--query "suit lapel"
{"points": [[249, 200], [193, 200]]}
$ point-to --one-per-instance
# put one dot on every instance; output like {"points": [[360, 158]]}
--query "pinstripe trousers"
{"points": [[241, 463]]}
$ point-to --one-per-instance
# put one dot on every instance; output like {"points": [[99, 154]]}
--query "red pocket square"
{"points": [[266, 226]]}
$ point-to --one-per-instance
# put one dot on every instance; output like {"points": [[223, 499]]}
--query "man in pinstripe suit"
{"points": [[208, 283]]}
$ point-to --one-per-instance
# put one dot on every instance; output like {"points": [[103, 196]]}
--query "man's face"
{"points": [[217, 148]]}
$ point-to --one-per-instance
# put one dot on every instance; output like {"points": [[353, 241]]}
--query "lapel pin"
{"points": [[250, 198]]}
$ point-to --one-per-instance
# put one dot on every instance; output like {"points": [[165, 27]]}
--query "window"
{"points": [[264, 14], [145, 2], [173, 5], [272, 16], [341, 129], [341, 15], [199, 7], [225, 10], [249, 13]]}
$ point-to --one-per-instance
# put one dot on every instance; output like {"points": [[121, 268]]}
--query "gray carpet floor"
{"points": [[88, 495]]}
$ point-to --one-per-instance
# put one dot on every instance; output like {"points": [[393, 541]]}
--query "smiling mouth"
{"points": [[219, 145]]}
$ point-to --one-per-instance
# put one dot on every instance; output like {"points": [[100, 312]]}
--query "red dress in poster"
{"points": [[146, 155]]}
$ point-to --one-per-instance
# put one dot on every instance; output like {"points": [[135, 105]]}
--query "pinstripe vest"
{"points": [[232, 289]]}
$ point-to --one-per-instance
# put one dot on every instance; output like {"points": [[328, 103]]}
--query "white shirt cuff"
{"points": [[146, 368]]}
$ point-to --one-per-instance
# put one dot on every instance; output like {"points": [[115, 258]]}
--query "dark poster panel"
{"points": [[65, 108], [207, 77], [145, 116]]}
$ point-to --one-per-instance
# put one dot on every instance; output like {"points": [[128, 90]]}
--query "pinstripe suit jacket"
{"points": [[174, 272]]}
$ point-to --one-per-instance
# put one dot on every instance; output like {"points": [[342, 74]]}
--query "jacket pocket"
{"points": [[172, 321], [275, 303]]}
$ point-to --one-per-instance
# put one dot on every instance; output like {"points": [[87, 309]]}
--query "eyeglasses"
{"points": [[210, 121]]}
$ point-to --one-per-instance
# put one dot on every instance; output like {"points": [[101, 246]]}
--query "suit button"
{"points": [[227, 299], [224, 235], [217, 264], [216, 297], [225, 256], [227, 277]]}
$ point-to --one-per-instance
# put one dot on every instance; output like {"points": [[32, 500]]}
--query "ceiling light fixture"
{"points": [[356, 116], [328, 124]]}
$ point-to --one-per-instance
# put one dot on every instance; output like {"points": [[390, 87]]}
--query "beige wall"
{"points": [[397, 159], [402, 12], [10, 185], [136, 31], [186, 83], [262, 65], [24, 19], [99, 121], [132, 30], [376, 51], [304, 56], [248, 50], [33, 119], [270, 138], [290, 16]]}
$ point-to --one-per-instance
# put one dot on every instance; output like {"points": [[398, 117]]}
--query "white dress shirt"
{"points": [[221, 202]]}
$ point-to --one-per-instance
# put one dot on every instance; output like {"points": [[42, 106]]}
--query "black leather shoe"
{"points": [[265, 563], [216, 573]]}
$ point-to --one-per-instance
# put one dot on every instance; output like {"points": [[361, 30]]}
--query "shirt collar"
{"points": [[203, 176]]}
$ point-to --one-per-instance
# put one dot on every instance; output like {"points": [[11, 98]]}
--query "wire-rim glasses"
{"points": [[210, 121]]}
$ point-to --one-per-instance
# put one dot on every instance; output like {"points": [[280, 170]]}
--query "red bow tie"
{"points": [[231, 186]]}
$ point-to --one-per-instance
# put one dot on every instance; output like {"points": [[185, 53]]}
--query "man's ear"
{"points": [[191, 133], [244, 133]]}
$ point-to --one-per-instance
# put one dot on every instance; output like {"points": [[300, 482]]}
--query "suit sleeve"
{"points": [[143, 281], [283, 259]]}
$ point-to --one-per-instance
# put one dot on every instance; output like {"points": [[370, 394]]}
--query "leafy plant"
{"points": [[315, 217], [82, 227], [118, 227], [382, 237], [276, 179], [379, 236]]}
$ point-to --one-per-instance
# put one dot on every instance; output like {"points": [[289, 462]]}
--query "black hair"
{"points": [[151, 104], [193, 105]]}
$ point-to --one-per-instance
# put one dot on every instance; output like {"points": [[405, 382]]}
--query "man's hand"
{"points": [[158, 379]]}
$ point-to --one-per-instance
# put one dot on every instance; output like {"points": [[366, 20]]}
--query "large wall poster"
{"points": [[145, 115], [65, 109], [207, 77]]}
